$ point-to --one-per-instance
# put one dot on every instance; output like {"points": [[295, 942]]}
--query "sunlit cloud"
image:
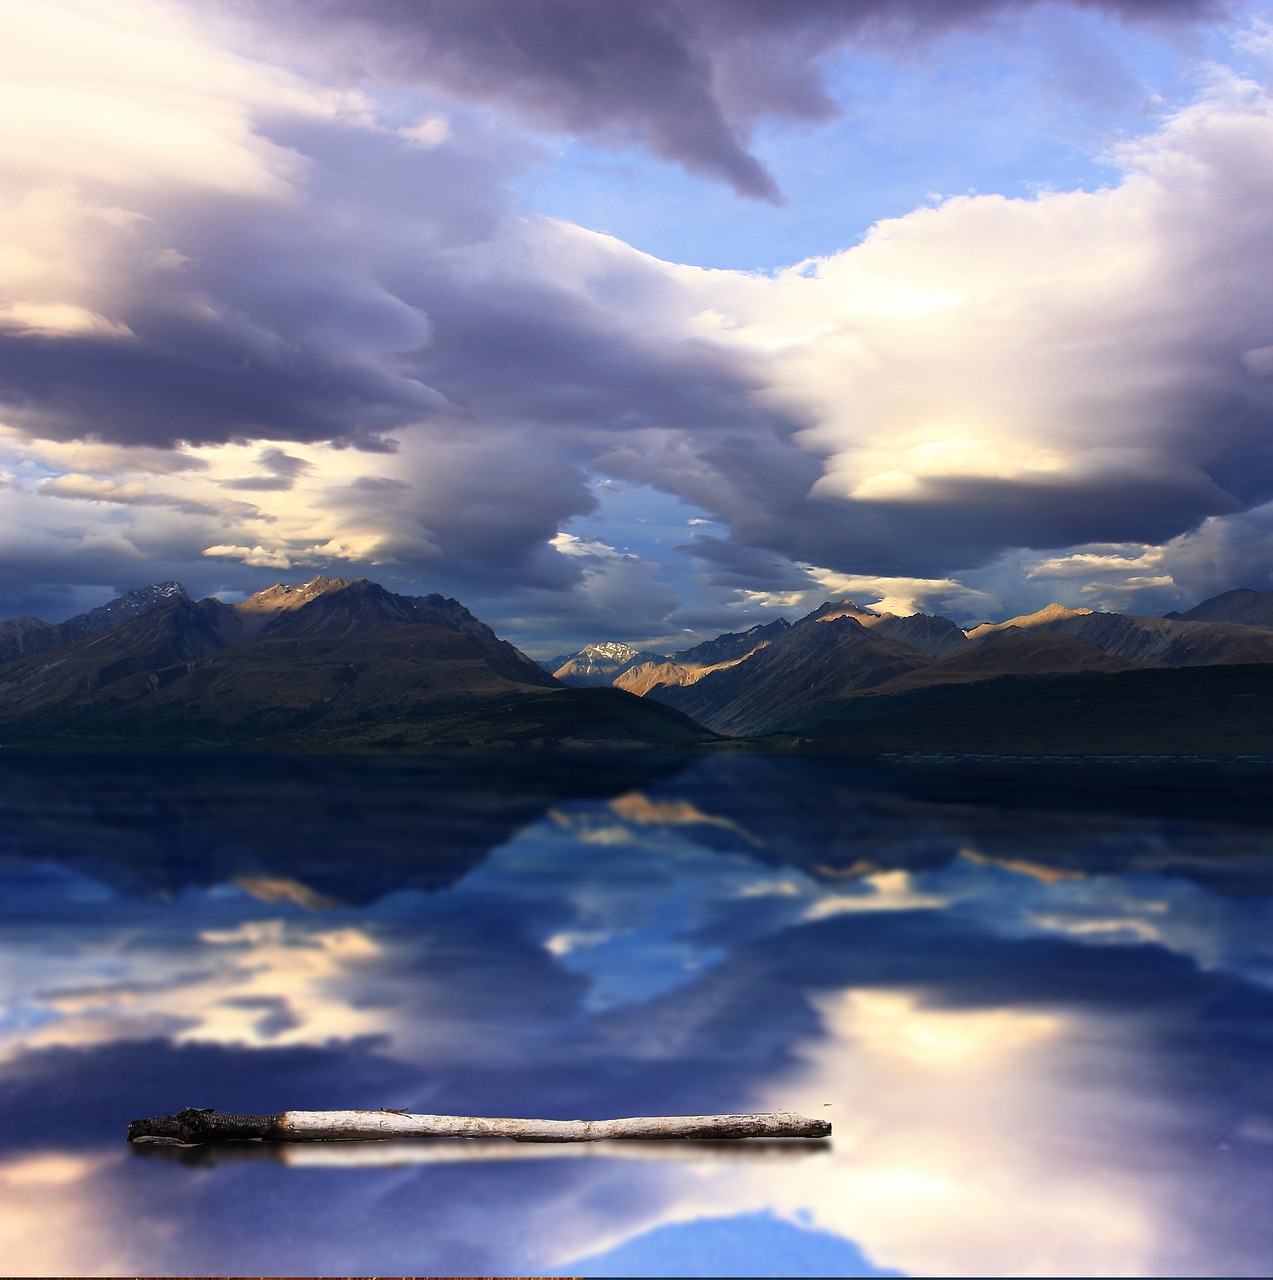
{"points": [[878, 891], [260, 983]]}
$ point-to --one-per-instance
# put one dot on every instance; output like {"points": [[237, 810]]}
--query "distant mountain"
{"points": [[796, 677], [842, 651], [330, 663], [1148, 642], [1244, 607], [20, 637], [600, 664], [932, 635], [731, 646], [1010, 651], [691, 665], [929, 636]]}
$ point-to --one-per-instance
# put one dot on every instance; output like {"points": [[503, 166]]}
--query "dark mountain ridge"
{"points": [[1243, 606], [787, 681], [23, 636], [327, 664], [732, 645]]}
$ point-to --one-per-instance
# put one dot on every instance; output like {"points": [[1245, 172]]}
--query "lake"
{"points": [[1035, 1001]]}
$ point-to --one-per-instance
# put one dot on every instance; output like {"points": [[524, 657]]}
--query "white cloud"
{"points": [[570, 545], [432, 131], [259, 557]]}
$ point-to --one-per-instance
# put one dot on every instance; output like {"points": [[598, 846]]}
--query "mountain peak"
{"points": [[1054, 610], [599, 663], [834, 609], [283, 595], [732, 645], [615, 650], [1040, 618]]}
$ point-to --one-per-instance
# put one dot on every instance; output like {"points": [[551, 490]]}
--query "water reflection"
{"points": [[1036, 1007]]}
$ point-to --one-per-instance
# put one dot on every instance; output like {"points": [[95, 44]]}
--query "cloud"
{"points": [[281, 471], [338, 285], [1221, 554], [686, 79], [989, 373], [35, 319], [258, 557], [133, 494], [275, 293], [432, 131]]}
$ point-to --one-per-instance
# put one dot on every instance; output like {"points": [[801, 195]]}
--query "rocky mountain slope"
{"points": [[1149, 642], [794, 678], [1246, 607]]}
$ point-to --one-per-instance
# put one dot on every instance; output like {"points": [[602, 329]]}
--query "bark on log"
{"points": [[198, 1125]]}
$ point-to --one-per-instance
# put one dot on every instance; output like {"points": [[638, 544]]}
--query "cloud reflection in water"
{"points": [[1044, 1039]]}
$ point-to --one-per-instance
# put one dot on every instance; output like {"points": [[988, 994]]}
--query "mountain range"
{"points": [[1058, 680], [843, 660], [327, 665], [23, 636], [333, 665]]}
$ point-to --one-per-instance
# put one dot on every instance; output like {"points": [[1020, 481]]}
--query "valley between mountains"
{"points": [[336, 666]]}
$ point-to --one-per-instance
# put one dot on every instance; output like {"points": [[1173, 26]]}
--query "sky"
{"points": [[638, 322]]}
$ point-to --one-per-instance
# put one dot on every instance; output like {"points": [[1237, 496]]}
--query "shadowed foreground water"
{"points": [[1035, 1001]]}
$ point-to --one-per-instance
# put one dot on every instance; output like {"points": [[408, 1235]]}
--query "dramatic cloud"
{"points": [[991, 372], [255, 326], [685, 78]]}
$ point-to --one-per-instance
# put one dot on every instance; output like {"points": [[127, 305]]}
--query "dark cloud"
{"points": [[291, 324], [959, 523], [279, 470], [759, 485], [684, 78], [735, 565], [200, 380], [519, 349]]}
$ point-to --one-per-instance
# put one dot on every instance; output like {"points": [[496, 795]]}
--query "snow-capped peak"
{"points": [[615, 650]]}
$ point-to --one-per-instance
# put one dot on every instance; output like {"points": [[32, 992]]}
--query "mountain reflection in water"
{"points": [[1036, 999]]}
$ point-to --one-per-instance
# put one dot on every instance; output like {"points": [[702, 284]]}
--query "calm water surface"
{"points": [[1035, 1003]]}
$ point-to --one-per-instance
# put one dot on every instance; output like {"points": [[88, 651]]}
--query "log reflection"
{"points": [[391, 1155]]}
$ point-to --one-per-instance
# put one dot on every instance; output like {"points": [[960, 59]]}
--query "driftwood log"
{"points": [[198, 1125]]}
